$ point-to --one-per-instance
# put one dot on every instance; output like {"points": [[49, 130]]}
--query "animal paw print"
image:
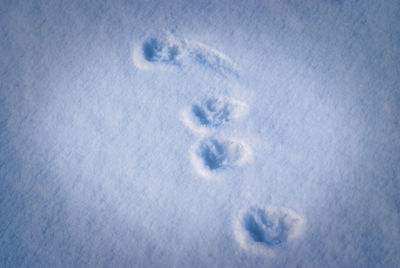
{"points": [[166, 51], [159, 50], [212, 113], [213, 155], [265, 230]]}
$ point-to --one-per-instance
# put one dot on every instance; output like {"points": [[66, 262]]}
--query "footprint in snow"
{"points": [[213, 112], [213, 155], [264, 230], [165, 51]]}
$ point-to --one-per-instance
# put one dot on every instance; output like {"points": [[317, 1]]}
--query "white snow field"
{"points": [[200, 133]]}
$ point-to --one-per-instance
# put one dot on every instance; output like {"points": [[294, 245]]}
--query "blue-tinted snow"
{"points": [[95, 159]]}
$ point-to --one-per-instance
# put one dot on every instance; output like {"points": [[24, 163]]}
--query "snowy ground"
{"points": [[200, 133]]}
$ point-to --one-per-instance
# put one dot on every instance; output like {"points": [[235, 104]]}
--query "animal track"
{"points": [[264, 229], [215, 154], [161, 51], [213, 112], [167, 50], [158, 50], [216, 111]]}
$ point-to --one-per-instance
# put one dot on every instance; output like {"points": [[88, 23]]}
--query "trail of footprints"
{"points": [[259, 229], [214, 154]]}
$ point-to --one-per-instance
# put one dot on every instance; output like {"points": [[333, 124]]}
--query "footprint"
{"points": [[212, 155], [158, 50], [216, 111], [213, 112], [264, 230], [165, 50]]}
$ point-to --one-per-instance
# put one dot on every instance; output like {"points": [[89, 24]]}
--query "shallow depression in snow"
{"points": [[158, 50], [212, 59], [215, 111], [214, 154], [265, 229], [165, 50]]}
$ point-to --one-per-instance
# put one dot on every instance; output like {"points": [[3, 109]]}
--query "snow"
{"points": [[199, 134]]}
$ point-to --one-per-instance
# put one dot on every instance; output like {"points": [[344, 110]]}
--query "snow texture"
{"points": [[199, 133]]}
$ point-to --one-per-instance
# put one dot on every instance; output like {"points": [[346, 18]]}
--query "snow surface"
{"points": [[200, 133]]}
